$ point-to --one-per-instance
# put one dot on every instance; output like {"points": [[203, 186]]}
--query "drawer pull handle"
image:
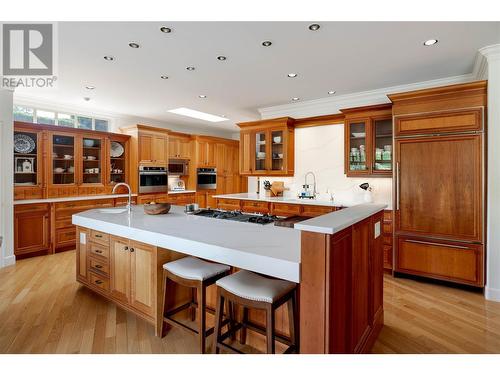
{"points": [[98, 251], [98, 266], [98, 236], [439, 244], [98, 282]]}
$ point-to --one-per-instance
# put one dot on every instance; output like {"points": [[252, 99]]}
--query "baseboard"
{"points": [[8, 261], [492, 294]]}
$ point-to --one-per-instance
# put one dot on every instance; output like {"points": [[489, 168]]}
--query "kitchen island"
{"points": [[121, 257]]}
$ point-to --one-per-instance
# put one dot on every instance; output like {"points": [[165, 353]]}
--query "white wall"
{"points": [[321, 150], [6, 179], [492, 291]]}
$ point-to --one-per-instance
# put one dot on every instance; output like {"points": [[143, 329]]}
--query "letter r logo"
{"points": [[27, 49]]}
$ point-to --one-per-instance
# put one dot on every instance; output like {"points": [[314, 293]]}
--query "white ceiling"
{"points": [[343, 56]]}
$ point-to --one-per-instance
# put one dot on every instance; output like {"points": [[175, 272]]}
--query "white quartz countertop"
{"points": [[68, 199], [181, 191], [289, 200], [336, 221], [267, 249]]}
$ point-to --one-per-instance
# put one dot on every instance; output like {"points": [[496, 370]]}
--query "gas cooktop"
{"points": [[237, 216]]}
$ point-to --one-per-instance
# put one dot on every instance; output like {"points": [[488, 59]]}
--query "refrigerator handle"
{"points": [[397, 186]]}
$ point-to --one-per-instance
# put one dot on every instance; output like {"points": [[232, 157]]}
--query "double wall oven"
{"points": [[153, 179]]}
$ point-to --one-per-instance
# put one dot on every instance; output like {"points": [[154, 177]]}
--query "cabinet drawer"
{"points": [[452, 261], [99, 250], [387, 257], [99, 266], [145, 199], [312, 211], [283, 209], [18, 208], [99, 237], [388, 215], [387, 239], [255, 206], [228, 204], [66, 236], [63, 223], [99, 281], [387, 228]]}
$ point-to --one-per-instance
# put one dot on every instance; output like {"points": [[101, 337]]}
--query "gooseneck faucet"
{"points": [[314, 182], [129, 205]]}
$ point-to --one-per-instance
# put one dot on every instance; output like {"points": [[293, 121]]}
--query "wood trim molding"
{"points": [[462, 88], [31, 126], [307, 122]]}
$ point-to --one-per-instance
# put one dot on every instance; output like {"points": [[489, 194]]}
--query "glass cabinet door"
{"points": [[277, 150], [25, 159], [382, 157], [260, 151], [357, 144], [63, 159], [92, 163], [117, 162]]}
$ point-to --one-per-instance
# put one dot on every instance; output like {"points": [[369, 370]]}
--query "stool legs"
{"points": [[293, 320], [270, 330], [244, 321], [219, 307], [202, 335]]}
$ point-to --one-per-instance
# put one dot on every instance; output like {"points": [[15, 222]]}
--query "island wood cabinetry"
{"points": [[179, 199], [267, 147], [440, 159], [341, 289], [368, 141]]}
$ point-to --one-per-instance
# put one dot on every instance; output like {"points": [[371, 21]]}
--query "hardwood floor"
{"points": [[44, 310]]}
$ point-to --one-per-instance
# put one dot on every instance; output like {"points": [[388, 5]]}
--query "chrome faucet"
{"points": [[129, 205], [314, 183]]}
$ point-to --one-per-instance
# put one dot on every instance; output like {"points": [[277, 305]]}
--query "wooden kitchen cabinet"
{"points": [[387, 232], [267, 147], [142, 277], [153, 149], [368, 141], [205, 152], [31, 228], [179, 146]]}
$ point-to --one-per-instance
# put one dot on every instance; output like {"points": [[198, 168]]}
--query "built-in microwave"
{"points": [[179, 167], [153, 179]]}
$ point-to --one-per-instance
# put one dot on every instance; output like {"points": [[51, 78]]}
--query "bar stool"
{"points": [[196, 274], [251, 290]]}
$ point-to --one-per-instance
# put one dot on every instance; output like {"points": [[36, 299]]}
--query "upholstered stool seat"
{"points": [[198, 275], [195, 269], [249, 285], [254, 291]]}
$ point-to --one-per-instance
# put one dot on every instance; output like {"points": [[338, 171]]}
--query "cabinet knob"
{"points": [[125, 248], [98, 251], [132, 250]]}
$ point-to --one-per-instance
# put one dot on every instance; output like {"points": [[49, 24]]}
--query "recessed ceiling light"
{"points": [[190, 68], [109, 58], [133, 45], [430, 42], [202, 96], [86, 98], [165, 29], [292, 75], [266, 43], [331, 92], [314, 27], [295, 99], [197, 114], [221, 58], [164, 77], [90, 87]]}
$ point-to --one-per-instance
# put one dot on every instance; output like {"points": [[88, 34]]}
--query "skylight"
{"points": [[197, 114]]}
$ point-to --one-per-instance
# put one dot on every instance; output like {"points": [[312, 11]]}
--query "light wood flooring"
{"points": [[44, 310]]}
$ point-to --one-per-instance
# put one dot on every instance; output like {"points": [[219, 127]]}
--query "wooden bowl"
{"points": [[157, 208]]}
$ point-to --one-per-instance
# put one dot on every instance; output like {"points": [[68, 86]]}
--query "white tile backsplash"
{"points": [[320, 149]]}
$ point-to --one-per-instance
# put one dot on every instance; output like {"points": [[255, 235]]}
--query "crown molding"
{"points": [[491, 52], [325, 106]]}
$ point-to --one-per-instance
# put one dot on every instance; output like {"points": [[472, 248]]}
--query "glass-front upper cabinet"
{"points": [[260, 151], [277, 150], [357, 145], [117, 162], [63, 159], [92, 160], [382, 157], [26, 159]]}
